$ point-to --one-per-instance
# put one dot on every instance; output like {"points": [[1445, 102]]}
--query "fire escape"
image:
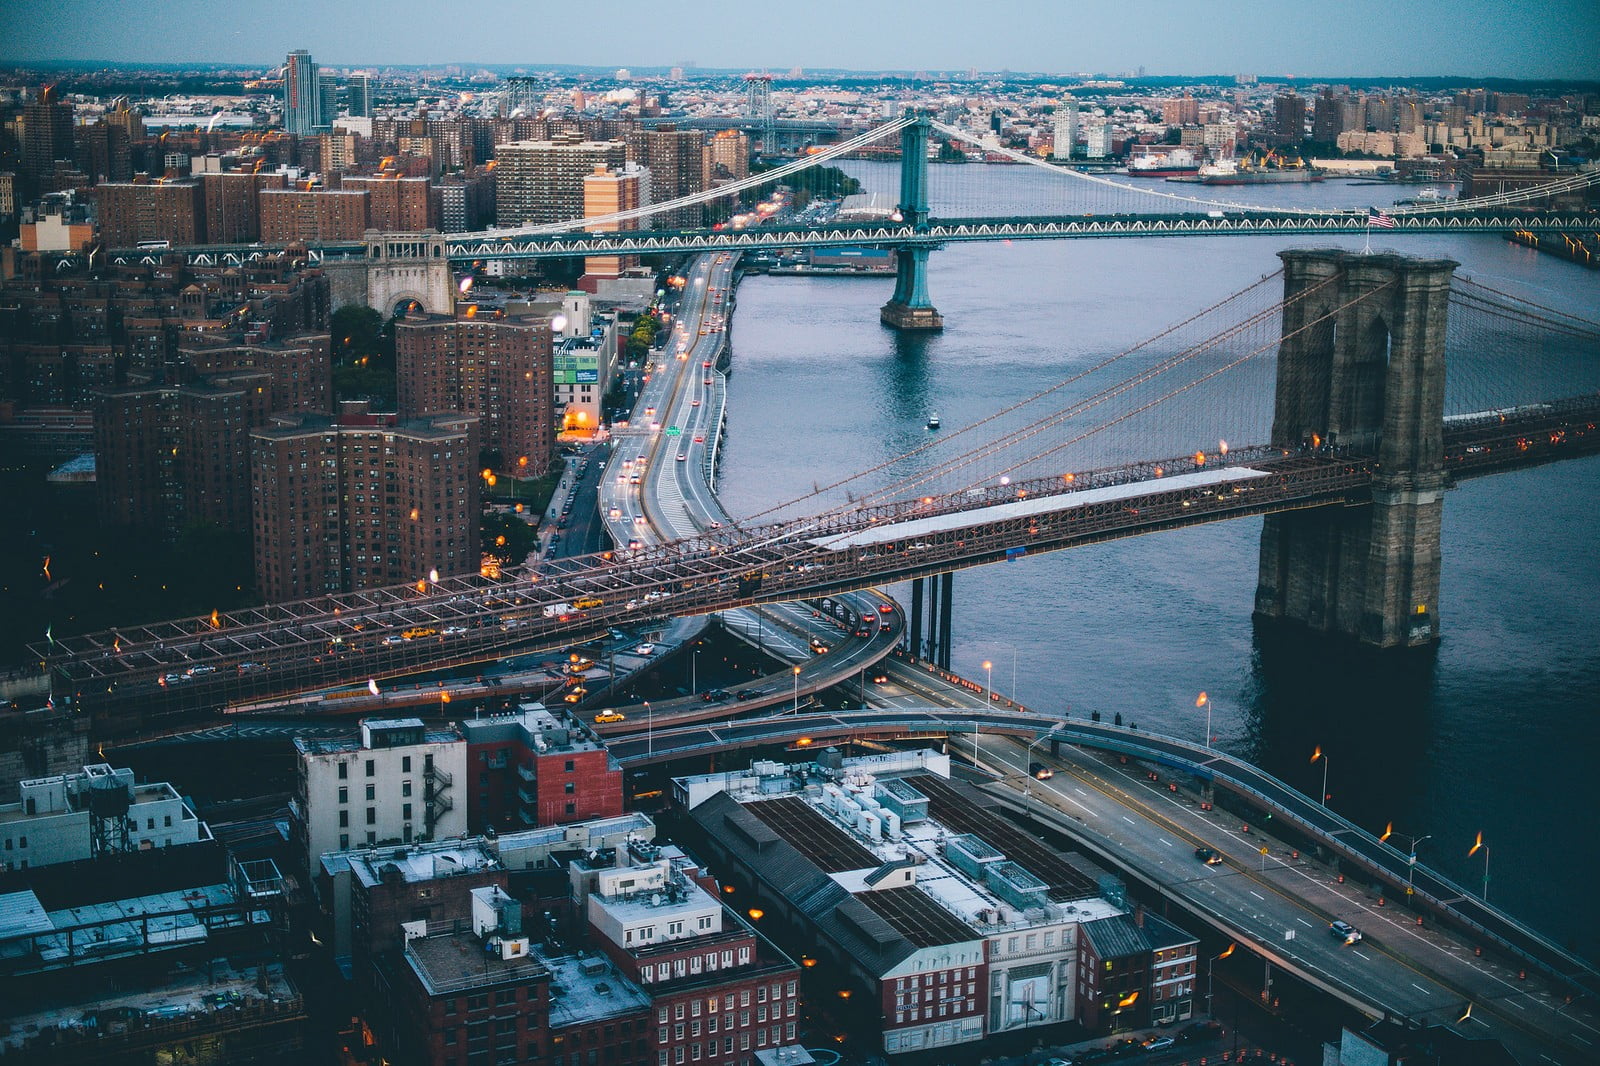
{"points": [[435, 804]]}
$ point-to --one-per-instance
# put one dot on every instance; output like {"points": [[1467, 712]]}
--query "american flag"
{"points": [[1379, 219]]}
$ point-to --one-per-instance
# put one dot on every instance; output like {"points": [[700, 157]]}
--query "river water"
{"points": [[1497, 732]]}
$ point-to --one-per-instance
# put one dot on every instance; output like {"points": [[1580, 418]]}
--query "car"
{"points": [[646, 648], [1344, 931], [699, 440], [607, 717], [1207, 856], [706, 364], [1158, 1043], [453, 631], [683, 457], [250, 668], [394, 638], [819, 647], [694, 403], [205, 668], [746, 694], [880, 679], [1040, 771], [173, 679], [708, 381]]}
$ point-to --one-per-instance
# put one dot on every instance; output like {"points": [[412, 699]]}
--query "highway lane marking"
{"points": [[1080, 791], [1258, 895], [1165, 841], [1515, 1004], [1130, 821], [1419, 988], [1358, 955], [1581, 1040]]}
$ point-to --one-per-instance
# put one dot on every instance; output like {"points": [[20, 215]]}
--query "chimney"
{"points": [[1138, 915]]}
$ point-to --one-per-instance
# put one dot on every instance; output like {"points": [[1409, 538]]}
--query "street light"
{"points": [[1475, 847], [1013, 647], [649, 730], [1205, 701], [1318, 754], [797, 690], [1411, 860], [988, 669], [1210, 963]]}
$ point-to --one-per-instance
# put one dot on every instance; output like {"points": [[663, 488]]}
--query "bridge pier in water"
{"points": [[911, 308], [936, 647], [1361, 368]]}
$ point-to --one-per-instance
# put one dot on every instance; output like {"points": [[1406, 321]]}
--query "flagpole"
{"points": [[1366, 249]]}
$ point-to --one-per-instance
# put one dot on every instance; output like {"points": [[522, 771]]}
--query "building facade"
{"points": [[362, 500], [302, 95], [394, 782], [498, 369], [540, 182], [94, 812], [530, 769]]}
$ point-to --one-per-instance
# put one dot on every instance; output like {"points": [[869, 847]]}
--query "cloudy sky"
{"points": [[1358, 38]]}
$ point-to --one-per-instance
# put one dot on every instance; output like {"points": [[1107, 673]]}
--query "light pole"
{"points": [[988, 670], [1027, 757], [649, 730], [1411, 860], [1205, 701], [1013, 647], [1480, 845], [1318, 754], [797, 690], [1211, 962], [694, 672]]}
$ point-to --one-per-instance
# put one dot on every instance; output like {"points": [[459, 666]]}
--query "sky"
{"points": [[1535, 39]]}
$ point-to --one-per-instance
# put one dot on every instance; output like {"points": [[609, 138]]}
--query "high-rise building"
{"points": [[676, 162], [358, 93], [1288, 119], [495, 369], [1327, 118], [1097, 141], [168, 457], [302, 96], [607, 192], [232, 203], [327, 100], [301, 367], [396, 204], [466, 201], [362, 500], [1184, 111], [46, 137], [542, 181], [289, 215], [729, 156], [1066, 131]]}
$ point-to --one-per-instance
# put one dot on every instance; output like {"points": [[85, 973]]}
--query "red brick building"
{"points": [[720, 991], [301, 368], [363, 500], [172, 456], [131, 212], [529, 769], [496, 368], [396, 204], [290, 215]]}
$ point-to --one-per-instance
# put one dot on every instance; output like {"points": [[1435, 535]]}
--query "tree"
{"points": [[356, 330]]}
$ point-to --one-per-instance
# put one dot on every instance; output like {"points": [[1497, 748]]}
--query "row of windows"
{"points": [[776, 1035], [916, 1015], [903, 983], [692, 1009]]}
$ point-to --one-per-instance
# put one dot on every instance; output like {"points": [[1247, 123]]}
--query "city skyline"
{"points": [[1363, 38]]}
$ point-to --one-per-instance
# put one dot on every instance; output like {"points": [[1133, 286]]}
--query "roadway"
{"points": [[1281, 904]]}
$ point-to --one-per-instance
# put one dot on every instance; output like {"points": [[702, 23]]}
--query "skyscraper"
{"points": [[358, 91], [1066, 129], [302, 96], [46, 137]]}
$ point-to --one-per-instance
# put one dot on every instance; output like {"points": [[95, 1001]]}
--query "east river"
{"points": [[1497, 732]]}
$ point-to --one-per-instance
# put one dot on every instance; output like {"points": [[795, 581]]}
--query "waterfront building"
{"points": [[1066, 128]]}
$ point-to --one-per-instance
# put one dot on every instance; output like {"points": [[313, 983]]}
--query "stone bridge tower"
{"points": [[1361, 367], [406, 267]]}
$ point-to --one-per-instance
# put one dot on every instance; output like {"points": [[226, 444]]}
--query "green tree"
{"points": [[507, 537], [357, 330]]}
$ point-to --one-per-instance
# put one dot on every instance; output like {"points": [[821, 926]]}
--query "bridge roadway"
{"points": [[129, 676], [1425, 973], [1262, 223]]}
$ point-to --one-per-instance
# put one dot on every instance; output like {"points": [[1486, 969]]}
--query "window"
{"points": [[344, 771], [569, 788], [677, 1011], [344, 841], [169, 821], [571, 765], [344, 819], [372, 768], [372, 816], [405, 788], [344, 795], [405, 811], [677, 1031], [372, 793], [405, 764]]}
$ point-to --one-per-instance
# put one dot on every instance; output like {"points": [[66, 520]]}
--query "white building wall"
{"points": [[397, 779]]}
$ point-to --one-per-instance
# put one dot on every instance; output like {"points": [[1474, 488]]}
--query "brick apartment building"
{"points": [[361, 500], [498, 369]]}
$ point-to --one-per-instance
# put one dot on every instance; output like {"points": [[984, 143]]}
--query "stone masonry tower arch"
{"points": [[1361, 367], [408, 266]]}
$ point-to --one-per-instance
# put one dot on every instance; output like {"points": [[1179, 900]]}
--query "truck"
{"points": [[556, 610]]}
